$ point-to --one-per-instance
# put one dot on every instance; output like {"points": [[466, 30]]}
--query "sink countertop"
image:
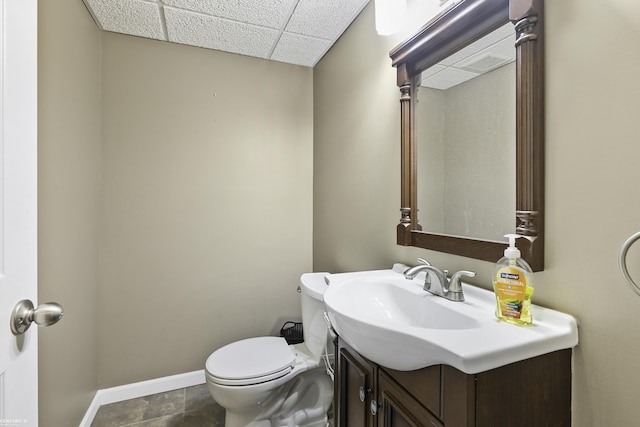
{"points": [[381, 317]]}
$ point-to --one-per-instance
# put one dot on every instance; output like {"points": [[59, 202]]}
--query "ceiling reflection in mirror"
{"points": [[449, 35], [466, 140]]}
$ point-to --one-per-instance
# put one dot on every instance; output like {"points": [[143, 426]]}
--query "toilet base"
{"points": [[304, 403], [319, 423], [241, 421]]}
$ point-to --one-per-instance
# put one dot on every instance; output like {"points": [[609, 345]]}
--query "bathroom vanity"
{"points": [[406, 357], [531, 393]]}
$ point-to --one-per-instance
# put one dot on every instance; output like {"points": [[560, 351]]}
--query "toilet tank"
{"points": [[312, 288]]}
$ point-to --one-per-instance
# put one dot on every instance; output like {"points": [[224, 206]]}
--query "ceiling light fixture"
{"points": [[390, 15]]}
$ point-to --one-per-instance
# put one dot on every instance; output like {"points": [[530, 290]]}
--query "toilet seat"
{"points": [[251, 361]]}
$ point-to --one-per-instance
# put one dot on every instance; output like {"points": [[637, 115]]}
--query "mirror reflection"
{"points": [[466, 140], [448, 34]]}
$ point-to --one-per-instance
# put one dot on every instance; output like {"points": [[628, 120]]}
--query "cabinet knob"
{"points": [[363, 393], [374, 407]]}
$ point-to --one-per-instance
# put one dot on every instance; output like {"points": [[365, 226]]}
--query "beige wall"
{"points": [[592, 177], [356, 153], [175, 211], [206, 203], [69, 189]]}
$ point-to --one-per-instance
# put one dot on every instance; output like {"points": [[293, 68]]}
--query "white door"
{"points": [[18, 208]]}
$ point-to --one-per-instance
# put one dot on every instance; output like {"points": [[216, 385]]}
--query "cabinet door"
{"points": [[397, 408], [356, 377], [424, 385]]}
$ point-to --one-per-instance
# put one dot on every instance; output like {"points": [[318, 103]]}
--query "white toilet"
{"points": [[264, 382]]}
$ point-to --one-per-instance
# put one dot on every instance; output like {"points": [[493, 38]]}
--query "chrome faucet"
{"points": [[450, 289], [412, 272]]}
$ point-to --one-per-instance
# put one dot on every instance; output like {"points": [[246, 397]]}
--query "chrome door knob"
{"points": [[24, 314]]}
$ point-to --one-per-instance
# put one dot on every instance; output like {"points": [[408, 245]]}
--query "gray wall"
{"points": [[592, 175], [69, 206]]}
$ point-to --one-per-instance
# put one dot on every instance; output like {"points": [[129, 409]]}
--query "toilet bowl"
{"points": [[264, 382]]}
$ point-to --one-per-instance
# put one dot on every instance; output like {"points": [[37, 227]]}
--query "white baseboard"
{"points": [[140, 389]]}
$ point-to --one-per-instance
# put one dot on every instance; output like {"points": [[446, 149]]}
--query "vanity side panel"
{"points": [[458, 398], [532, 393], [337, 384]]}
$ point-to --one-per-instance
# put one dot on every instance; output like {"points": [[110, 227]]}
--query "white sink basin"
{"points": [[393, 322]]}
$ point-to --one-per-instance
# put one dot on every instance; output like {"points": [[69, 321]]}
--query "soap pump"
{"points": [[513, 286]]}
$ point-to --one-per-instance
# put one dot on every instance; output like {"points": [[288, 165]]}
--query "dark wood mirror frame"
{"points": [[452, 30]]}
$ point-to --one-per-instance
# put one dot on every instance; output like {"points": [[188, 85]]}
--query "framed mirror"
{"points": [[472, 130]]}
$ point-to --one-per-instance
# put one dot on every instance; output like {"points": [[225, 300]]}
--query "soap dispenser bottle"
{"points": [[513, 286]]}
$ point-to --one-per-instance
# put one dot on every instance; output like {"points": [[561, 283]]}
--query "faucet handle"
{"points": [[455, 286], [423, 261], [454, 283]]}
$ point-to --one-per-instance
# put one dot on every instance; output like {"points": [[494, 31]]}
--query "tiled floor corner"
{"points": [[191, 406]]}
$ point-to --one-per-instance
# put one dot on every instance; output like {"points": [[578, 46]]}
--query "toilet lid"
{"points": [[250, 359]]}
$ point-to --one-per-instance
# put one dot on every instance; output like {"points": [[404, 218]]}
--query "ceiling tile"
{"points": [[492, 51], [134, 17], [432, 70], [325, 19], [300, 50], [448, 78], [506, 31], [267, 13], [503, 48], [216, 33], [298, 32]]}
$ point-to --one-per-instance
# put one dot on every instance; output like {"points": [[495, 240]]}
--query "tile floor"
{"points": [[191, 406]]}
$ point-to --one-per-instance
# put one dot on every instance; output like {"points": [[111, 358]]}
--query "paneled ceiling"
{"points": [[482, 56], [297, 32]]}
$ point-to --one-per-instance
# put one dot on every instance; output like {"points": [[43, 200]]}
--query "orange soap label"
{"points": [[510, 287]]}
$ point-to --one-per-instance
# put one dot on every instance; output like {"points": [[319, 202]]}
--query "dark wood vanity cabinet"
{"points": [[398, 407], [532, 393], [354, 383]]}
